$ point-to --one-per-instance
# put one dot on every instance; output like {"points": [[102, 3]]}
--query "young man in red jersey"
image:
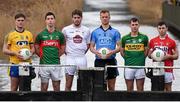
{"points": [[168, 45]]}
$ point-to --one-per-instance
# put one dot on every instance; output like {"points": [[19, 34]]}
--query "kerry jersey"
{"points": [[134, 48], [18, 40], [49, 46], [166, 45]]}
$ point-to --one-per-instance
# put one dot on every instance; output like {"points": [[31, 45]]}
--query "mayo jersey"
{"points": [[76, 40], [18, 40], [49, 46], [167, 45]]}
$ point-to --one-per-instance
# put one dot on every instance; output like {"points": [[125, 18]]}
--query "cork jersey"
{"points": [[167, 45]]}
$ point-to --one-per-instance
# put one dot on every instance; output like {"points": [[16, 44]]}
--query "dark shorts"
{"points": [[157, 83], [111, 72], [14, 71]]}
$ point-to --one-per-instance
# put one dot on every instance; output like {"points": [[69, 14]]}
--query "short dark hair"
{"points": [[134, 19], [77, 12], [49, 14], [105, 11], [162, 23], [19, 15]]}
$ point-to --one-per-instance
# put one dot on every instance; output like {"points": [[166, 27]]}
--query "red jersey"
{"points": [[167, 45]]}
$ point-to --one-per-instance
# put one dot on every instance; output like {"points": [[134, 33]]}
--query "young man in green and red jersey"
{"points": [[134, 47], [50, 45]]}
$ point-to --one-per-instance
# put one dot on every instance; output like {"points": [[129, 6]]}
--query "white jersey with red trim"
{"points": [[77, 39]]}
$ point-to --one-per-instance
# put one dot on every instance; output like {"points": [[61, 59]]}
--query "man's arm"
{"points": [[37, 49], [93, 50], [150, 51], [7, 51], [62, 50], [146, 50], [32, 49], [121, 49], [88, 46], [174, 55], [114, 51]]}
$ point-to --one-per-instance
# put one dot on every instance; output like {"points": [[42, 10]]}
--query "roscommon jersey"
{"points": [[18, 40]]}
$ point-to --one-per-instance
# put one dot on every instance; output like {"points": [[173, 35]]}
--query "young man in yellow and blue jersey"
{"points": [[14, 41]]}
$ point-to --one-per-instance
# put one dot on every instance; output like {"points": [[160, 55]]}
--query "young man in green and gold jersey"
{"points": [[134, 47]]}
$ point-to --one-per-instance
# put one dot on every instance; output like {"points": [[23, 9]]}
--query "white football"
{"points": [[104, 51], [157, 55], [25, 53]]}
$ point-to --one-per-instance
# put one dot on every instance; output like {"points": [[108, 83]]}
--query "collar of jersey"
{"points": [[106, 29]]}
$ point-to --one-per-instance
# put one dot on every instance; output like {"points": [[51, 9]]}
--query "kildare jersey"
{"points": [[18, 40], [167, 45], [49, 46], [76, 40], [134, 48]]}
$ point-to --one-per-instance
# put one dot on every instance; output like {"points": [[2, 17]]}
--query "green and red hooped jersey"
{"points": [[134, 48], [49, 46]]}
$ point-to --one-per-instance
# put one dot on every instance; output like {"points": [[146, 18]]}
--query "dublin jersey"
{"points": [[49, 46], [76, 40], [18, 40], [167, 45], [134, 48], [105, 38]]}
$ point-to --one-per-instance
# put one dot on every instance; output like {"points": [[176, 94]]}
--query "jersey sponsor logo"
{"points": [[45, 37], [140, 40], [77, 39], [105, 41], [22, 43], [163, 48], [50, 43], [57, 37], [134, 47]]}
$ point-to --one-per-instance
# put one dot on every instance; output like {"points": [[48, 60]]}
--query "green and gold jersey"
{"points": [[134, 48]]}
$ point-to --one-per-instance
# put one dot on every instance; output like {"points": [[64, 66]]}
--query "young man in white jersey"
{"points": [[77, 43]]}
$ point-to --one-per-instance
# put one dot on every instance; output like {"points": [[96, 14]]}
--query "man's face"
{"points": [[134, 26], [162, 30], [50, 21], [105, 17], [20, 22], [76, 19]]}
